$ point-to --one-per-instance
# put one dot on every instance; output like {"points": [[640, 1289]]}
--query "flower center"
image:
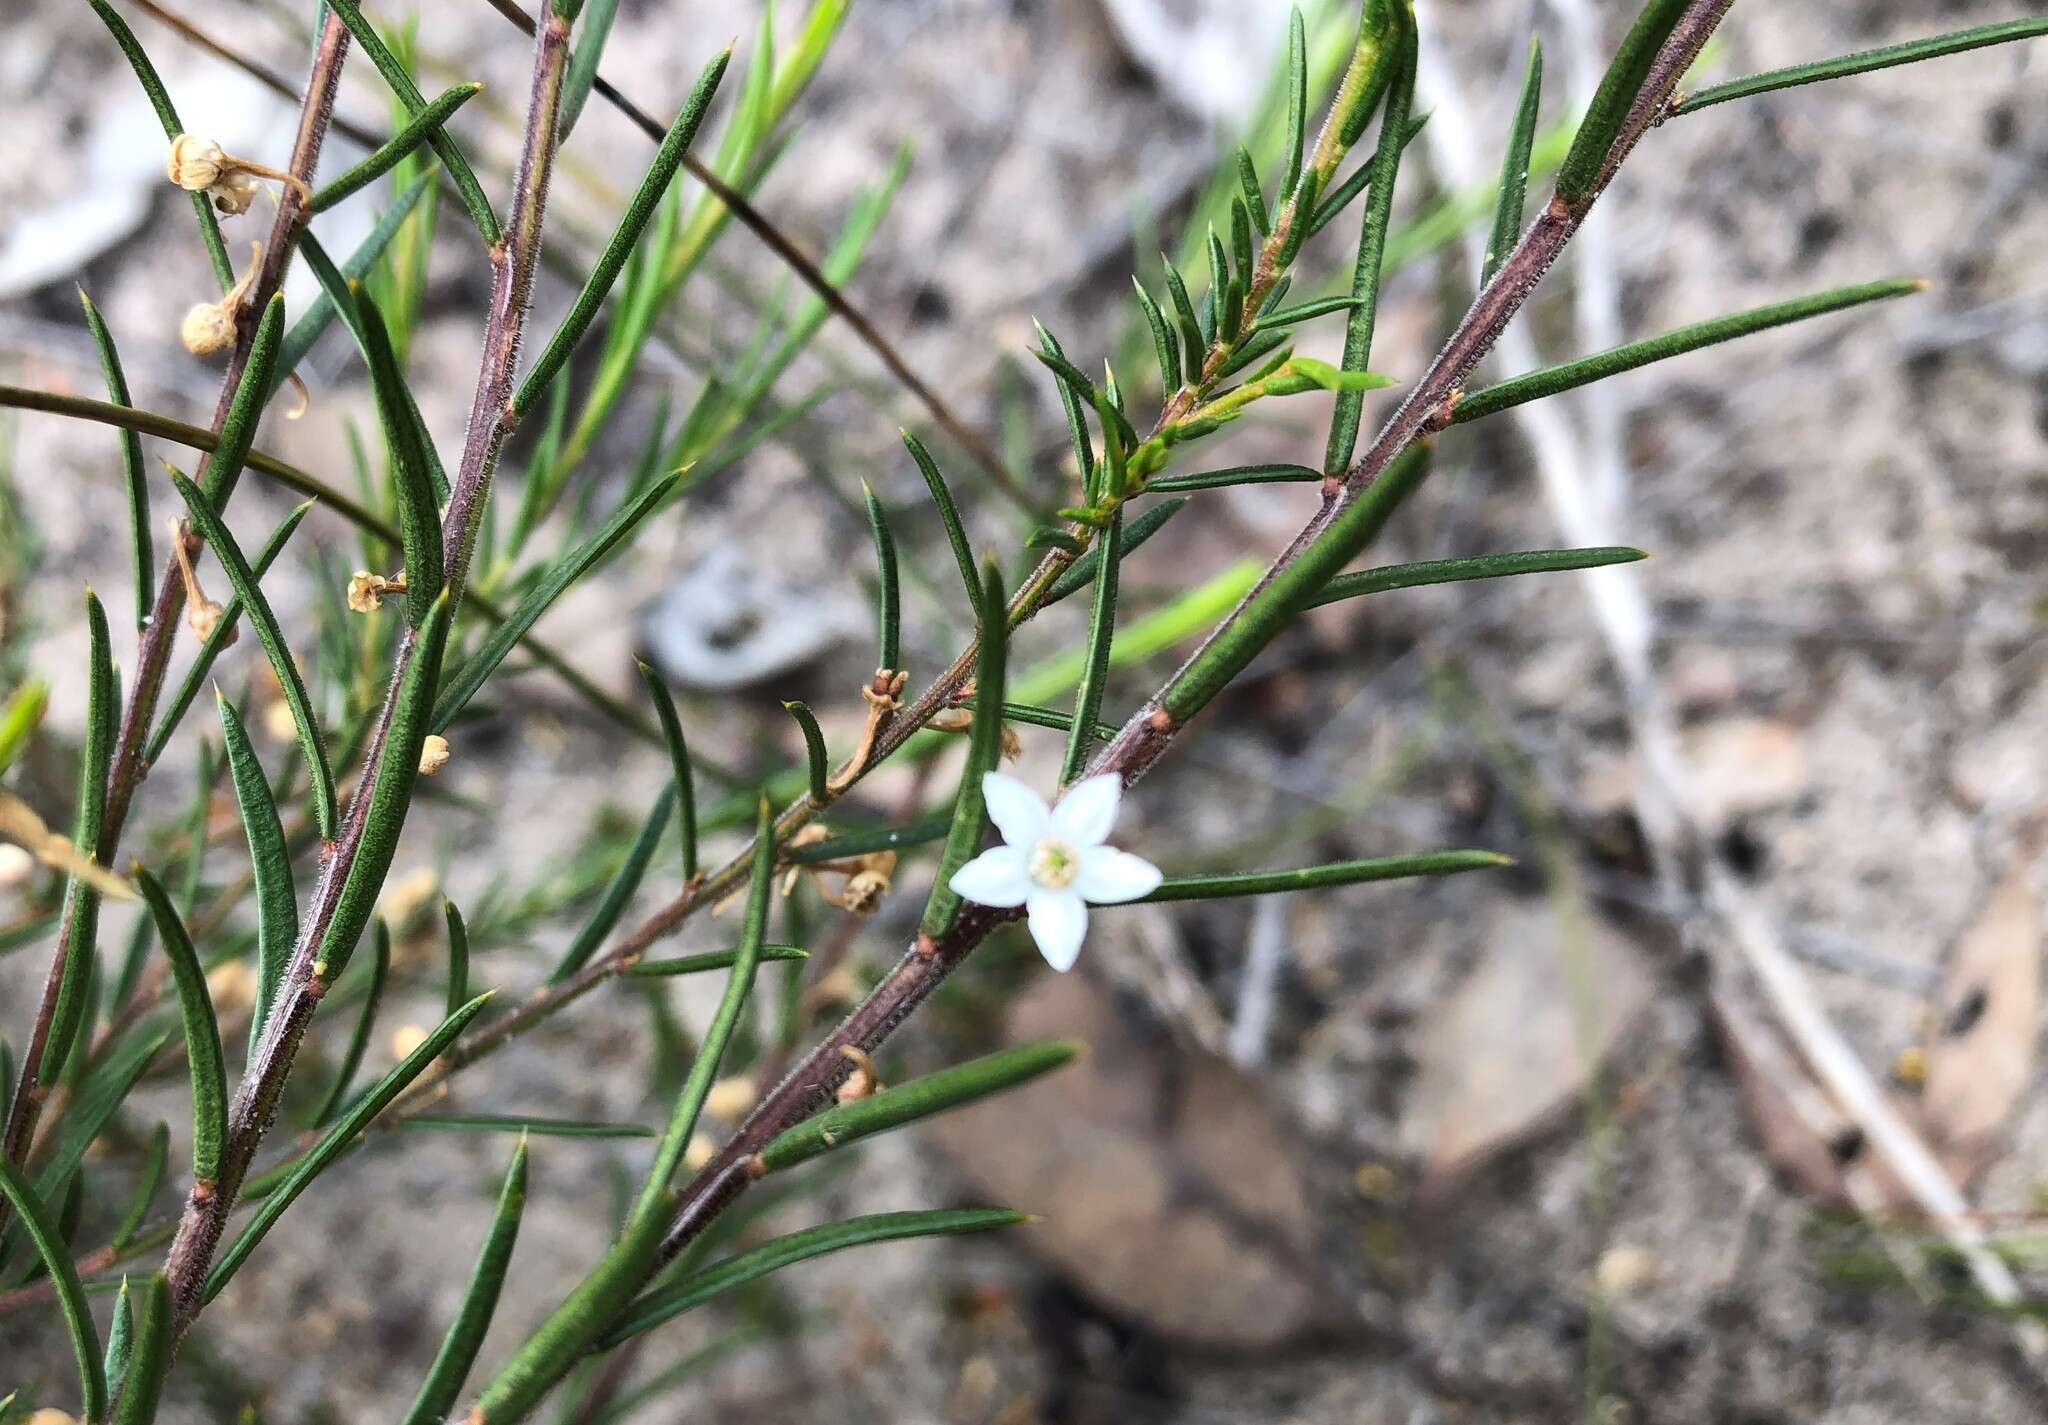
{"points": [[1054, 864]]}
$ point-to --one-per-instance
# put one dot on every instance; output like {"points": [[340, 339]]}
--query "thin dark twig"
{"points": [[153, 649]]}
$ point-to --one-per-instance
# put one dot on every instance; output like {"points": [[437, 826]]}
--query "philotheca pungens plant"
{"points": [[454, 585]]}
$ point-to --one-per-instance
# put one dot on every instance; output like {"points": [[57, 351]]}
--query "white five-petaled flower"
{"points": [[1053, 862]]}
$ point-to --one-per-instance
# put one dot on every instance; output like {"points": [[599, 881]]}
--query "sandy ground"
{"points": [[1411, 1206]]}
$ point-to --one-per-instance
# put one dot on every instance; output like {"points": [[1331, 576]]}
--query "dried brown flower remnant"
{"points": [[863, 1081], [202, 615], [366, 591], [199, 165], [433, 754], [210, 326]]}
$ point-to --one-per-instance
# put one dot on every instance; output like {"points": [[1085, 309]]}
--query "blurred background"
{"points": [[1522, 1146]]}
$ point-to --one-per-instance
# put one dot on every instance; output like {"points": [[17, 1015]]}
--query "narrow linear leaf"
{"points": [[1235, 475], [1081, 572], [458, 956], [1034, 716], [516, 1123], [1249, 188], [147, 1182], [592, 29], [1372, 244], [1271, 605], [1095, 670], [243, 580], [1303, 312], [1514, 167], [1330, 873], [223, 633], [984, 748], [619, 891], [1297, 101], [167, 115], [715, 960], [366, 1022], [625, 237], [888, 598], [140, 544], [949, 515], [1617, 91], [82, 901], [920, 1098], [202, 1032], [679, 764], [398, 767], [151, 1360], [419, 129], [319, 316], [408, 94], [336, 1141], [462, 685], [1549, 381], [692, 1291], [928, 828], [270, 860], [1077, 420], [120, 1342], [260, 377], [1194, 347], [94, 1103], [437, 1393], [20, 715], [419, 516], [1165, 346], [1862, 62], [815, 763], [85, 1338], [1483, 566]]}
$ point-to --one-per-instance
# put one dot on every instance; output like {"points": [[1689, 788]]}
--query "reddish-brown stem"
{"points": [[256, 1098], [153, 648]]}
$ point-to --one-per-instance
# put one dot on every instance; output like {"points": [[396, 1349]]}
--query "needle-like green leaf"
{"points": [[1372, 244], [150, 1361], [120, 1342], [1483, 566], [592, 30], [398, 766], [1514, 167], [815, 764], [694, 1290], [147, 1181], [336, 1141], [1250, 190], [1095, 669], [313, 323], [1331, 873], [715, 960], [920, 1098], [517, 1123], [366, 1022], [260, 376], [1273, 604], [949, 515], [1862, 62], [412, 465], [984, 749], [277, 914], [167, 115], [1194, 347], [1235, 475], [1077, 420], [82, 903], [202, 1031], [1297, 101], [224, 632], [612, 904], [458, 956], [419, 129], [1034, 716], [679, 764], [141, 545], [463, 683], [1534, 386], [924, 829], [1082, 571], [625, 237], [243, 580], [436, 1398], [888, 598], [85, 1337], [408, 94], [1165, 346], [1609, 109], [20, 715]]}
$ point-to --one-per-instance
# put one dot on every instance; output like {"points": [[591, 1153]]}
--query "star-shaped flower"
{"points": [[1053, 862]]}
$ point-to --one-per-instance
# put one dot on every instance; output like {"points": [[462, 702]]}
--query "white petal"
{"points": [[1019, 813], [996, 877], [1111, 877], [1088, 810], [1058, 921]]}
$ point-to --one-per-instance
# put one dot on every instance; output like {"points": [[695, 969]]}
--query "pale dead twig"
{"points": [[1587, 511]]}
